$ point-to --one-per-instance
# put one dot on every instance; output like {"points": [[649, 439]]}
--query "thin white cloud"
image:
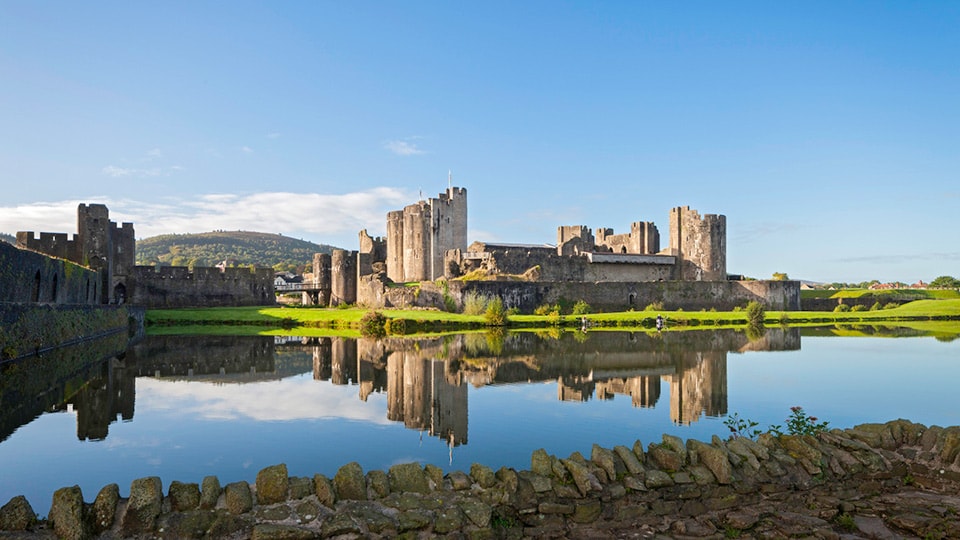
{"points": [[246, 149], [324, 218], [155, 153], [121, 172], [273, 135], [403, 148]]}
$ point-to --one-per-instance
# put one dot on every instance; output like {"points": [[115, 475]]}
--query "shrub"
{"points": [[891, 305], [859, 307], [842, 308], [373, 324], [474, 303], [581, 308], [495, 315], [656, 306], [755, 313], [875, 307], [543, 309]]}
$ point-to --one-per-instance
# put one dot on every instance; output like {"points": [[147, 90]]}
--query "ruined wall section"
{"points": [[699, 243], [179, 286], [343, 277], [372, 256], [574, 239]]}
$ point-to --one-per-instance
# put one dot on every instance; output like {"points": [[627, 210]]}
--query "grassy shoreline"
{"points": [[281, 320]]}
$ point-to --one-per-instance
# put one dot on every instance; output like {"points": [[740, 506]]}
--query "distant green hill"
{"points": [[238, 248]]}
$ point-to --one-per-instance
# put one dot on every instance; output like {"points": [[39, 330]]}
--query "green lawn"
{"points": [[333, 321], [885, 295]]}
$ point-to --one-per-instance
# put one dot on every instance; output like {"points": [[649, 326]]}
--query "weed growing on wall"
{"points": [[798, 423]]}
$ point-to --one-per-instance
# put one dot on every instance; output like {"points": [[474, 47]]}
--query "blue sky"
{"points": [[828, 133]]}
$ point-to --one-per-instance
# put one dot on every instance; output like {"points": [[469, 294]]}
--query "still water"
{"points": [[183, 407]]}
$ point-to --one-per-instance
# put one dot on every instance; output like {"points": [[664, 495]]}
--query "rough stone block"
{"points": [[273, 531], [17, 515], [210, 491], [66, 513], [630, 460], [300, 487], [477, 512], [238, 498], [541, 463], [273, 484], [658, 479], [349, 483], [409, 477], [664, 458], [582, 477], [105, 507], [483, 475], [435, 474], [378, 484], [143, 507], [324, 490], [183, 496], [604, 459]]}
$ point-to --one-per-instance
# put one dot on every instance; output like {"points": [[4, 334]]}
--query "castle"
{"points": [[426, 244]]}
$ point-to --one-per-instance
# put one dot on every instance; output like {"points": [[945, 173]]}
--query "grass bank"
{"points": [[280, 320]]}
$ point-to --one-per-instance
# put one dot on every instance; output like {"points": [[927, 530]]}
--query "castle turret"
{"points": [[700, 245]]}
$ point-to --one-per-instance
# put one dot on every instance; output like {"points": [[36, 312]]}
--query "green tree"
{"points": [[780, 276], [945, 282]]}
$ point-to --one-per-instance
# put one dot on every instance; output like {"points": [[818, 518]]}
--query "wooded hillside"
{"points": [[238, 248]]}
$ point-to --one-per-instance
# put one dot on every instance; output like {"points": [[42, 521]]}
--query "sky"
{"points": [[827, 133]]}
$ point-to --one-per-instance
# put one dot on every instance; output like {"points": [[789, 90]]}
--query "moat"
{"points": [[183, 407]]}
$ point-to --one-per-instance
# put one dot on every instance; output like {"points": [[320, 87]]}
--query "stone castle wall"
{"points": [[27, 276], [606, 296], [179, 286]]}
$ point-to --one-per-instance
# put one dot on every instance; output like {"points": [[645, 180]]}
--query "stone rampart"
{"points": [[179, 286], [607, 296], [27, 276], [872, 481]]}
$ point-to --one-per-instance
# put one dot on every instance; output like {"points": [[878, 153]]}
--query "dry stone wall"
{"points": [[872, 481]]}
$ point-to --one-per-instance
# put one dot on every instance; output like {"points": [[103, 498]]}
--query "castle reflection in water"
{"points": [[425, 380]]}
